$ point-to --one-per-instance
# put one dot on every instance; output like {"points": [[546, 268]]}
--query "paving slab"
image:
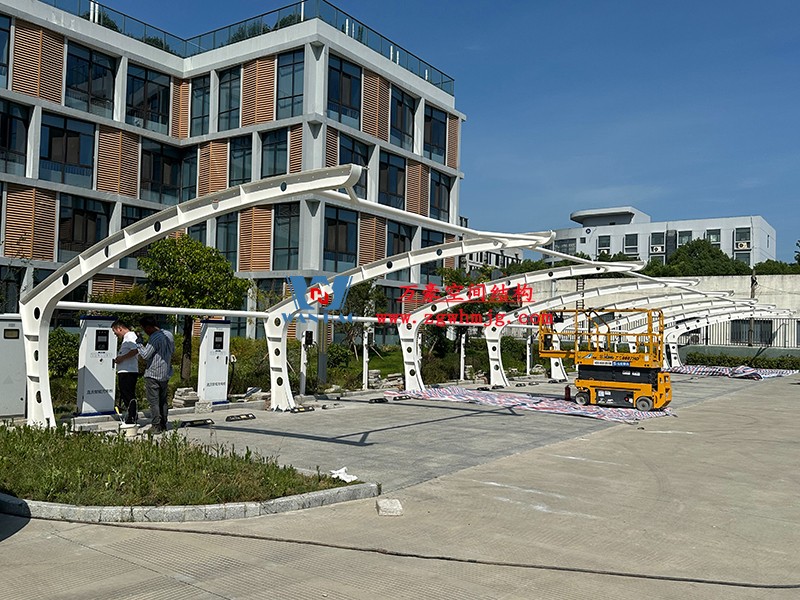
{"points": [[698, 506]]}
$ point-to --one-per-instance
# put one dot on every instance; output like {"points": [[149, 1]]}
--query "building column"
{"points": [[454, 200], [34, 143], [315, 79], [374, 174], [419, 127], [257, 150], [213, 102], [121, 90]]}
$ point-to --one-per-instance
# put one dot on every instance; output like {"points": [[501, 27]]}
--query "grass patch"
{"points": [[57, 465], [389, 362]]}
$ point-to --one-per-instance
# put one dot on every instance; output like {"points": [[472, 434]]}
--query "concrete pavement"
{"points": [[496, 506]]}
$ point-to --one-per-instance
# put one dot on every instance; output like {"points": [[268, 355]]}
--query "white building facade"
{"points": [[625, 229]]}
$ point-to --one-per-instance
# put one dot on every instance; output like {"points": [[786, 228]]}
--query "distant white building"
{"points": [[497, 260], [630, 231]]}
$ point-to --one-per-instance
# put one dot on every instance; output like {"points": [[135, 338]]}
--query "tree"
{"points": [[797, 254], [185, 273], [136, 295], [363, 300]]}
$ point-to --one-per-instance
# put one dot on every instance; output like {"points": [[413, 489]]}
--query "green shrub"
{"points": [[338, 356], [63, 353], [758, 362]]}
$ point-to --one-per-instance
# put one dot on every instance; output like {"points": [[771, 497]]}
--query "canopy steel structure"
{"points": [[37, 305]]}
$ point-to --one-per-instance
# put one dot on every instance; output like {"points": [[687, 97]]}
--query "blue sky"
{"points": [[683, 109]]}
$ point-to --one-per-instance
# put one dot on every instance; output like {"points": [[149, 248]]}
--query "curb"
{"points": [[179, 514]]}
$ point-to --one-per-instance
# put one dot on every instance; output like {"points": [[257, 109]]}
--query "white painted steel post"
{"points": [[365, 359], [462, 372]]}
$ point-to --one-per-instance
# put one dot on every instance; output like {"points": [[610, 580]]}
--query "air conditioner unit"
{"points": [[604, 251], [743, 245], [656, 249]]}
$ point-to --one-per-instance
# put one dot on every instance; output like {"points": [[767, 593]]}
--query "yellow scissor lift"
{"points": [[615, 368]]}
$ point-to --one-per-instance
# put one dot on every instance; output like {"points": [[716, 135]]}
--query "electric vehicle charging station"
{"points": [[97, 375], [212, 372], [13, 390]]}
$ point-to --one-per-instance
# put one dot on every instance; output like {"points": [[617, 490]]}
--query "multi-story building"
{"points": [[630, 231], [105, 119]]}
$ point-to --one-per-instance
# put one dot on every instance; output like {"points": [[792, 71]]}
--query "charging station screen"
{"points": [[101, 340], [11, 334], [219, 338]]}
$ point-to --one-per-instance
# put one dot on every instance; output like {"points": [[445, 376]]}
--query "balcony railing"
{"points": [[255, 26]]}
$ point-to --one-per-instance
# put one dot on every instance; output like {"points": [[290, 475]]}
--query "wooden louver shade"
{"points": [[418, 188], [30, 223], [38, 67], [258, 91], [213, 168], [180, 108], [371, 239], [255, 239], [118, 162]]}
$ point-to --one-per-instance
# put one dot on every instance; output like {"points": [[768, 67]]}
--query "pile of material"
{"points": [[740, 372], [530, 402], [184, 397]]}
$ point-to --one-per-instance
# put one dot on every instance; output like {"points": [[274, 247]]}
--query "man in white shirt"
{"points": [[127, 369]]}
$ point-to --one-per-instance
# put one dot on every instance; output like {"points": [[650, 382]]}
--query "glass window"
{"points": [[742, 257], [286, 243], [148, 99], [565, 246], [90, 81], [401, 131], [341, 239], [714, 237], [11, 279], [240, 165], [398, 240], [603, 244], [189, 174], [439, 207], [762, 332], [435, 134], [228, 237], [131, 215], [632, 244], [290, 84], [162, 167], [66, 154], [199, 232], [657, 239], [14, 121], [429, 271], [201, 104], [274, 153], [229, 98], [5, 37], [742, 234], [386, 335], [357, 153], [344, 91], [742, 242], [392, 182], [684, 237], [81, 224]]}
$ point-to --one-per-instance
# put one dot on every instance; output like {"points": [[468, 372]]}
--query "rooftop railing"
{"points": [[255, 26]]}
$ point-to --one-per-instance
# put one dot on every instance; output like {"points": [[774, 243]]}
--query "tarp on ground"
{"points": [[529, 402], [740, 372]]}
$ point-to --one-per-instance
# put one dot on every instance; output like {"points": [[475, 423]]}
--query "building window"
{"points": [[657, 259], [228, 238], [199, 232], [341, 239], [67, 151], [714, 237], [201, 104], [229, 98], [162, 168], [439, 207], [632, 244], [131, 215], [398, 240], [148, 99], [81, 224], [401, 132], [5, 39], [357, 153], [565, 246], [286, 245], [392, 182], [13, 137], [741, 241], [90, 81], [435, 134], [274, 153], [684, 237], [742, 257], [429, 271], [240, 165], [762, 332], [290, 84], [344, 92], [603, 244], [189, 174]]}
